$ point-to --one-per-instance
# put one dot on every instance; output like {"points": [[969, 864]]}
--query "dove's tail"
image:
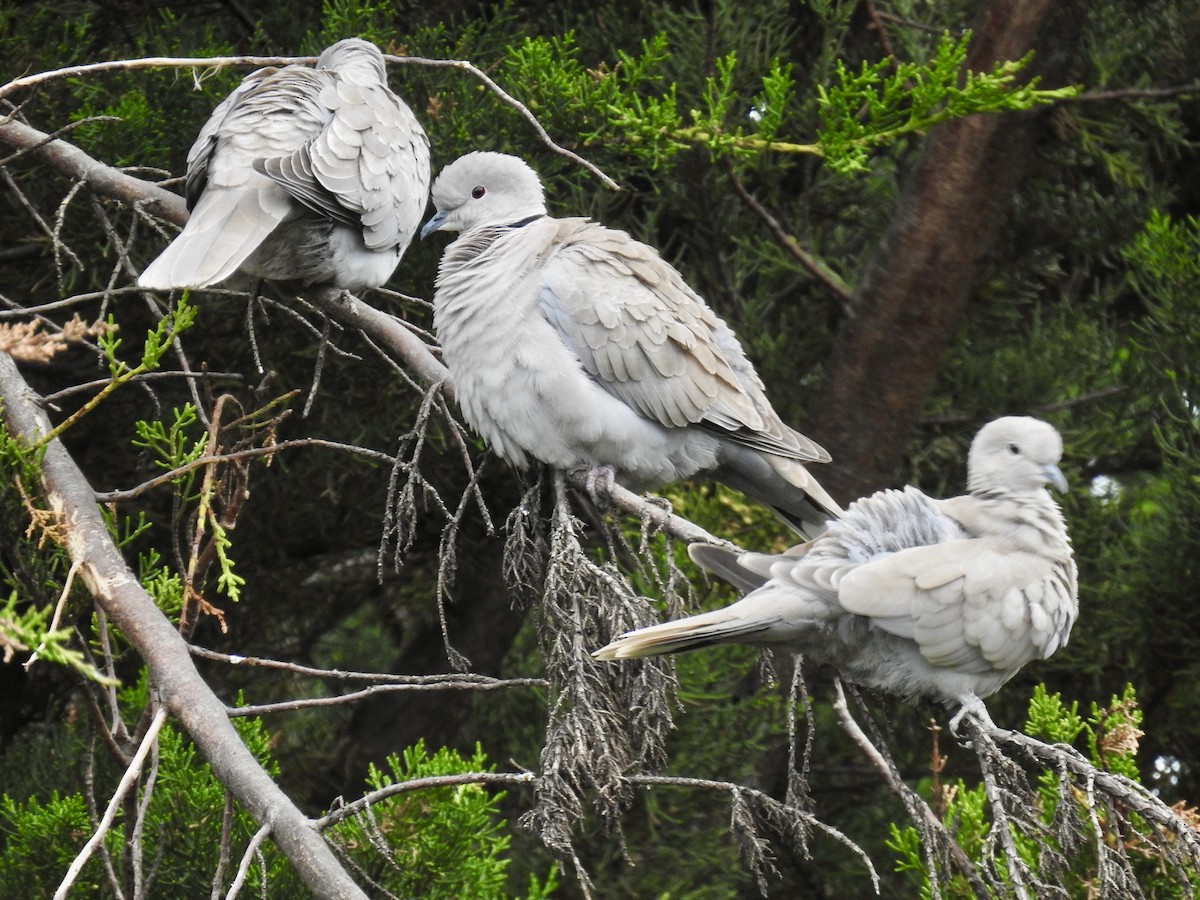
{"points": [[719, 627], [223, 230], [783, 484], [764, 617]]}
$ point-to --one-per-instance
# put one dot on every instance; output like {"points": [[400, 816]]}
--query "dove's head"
{"points": [[1015, 454], [355, 60], [484, 188]]}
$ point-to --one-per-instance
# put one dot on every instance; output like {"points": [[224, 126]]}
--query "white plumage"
{"points": [[316, 176], [576, 345], [912, 595]]}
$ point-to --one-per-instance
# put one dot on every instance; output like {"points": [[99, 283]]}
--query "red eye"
{"points": [[478, 191]]}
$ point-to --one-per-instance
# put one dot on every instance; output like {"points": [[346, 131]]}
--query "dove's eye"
{"points": [[478, 191], [1013, 449]]}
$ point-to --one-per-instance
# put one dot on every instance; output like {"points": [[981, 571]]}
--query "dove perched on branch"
{"points": [[312, 175], [576, 345], [908, 594]]}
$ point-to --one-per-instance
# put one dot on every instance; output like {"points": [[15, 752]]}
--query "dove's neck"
{"points": [[1029, 519], [528, 220]]}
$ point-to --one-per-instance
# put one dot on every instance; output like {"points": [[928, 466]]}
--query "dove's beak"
{"points": [[436, 221], [1055, 476]]}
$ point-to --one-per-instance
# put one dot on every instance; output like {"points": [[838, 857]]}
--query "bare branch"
{"points": [[219, 62], [126, 783], [935, 837], [810, 263], [174, 677], [464, 679], [244, 867], [419, 784], [516, 104], [766, 802], [448, 684], [237, 456], [1163, 93], [72, 162]]}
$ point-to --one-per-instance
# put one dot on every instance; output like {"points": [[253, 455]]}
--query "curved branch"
{"points": [[417, 784], [184, 693], [218, 62]]}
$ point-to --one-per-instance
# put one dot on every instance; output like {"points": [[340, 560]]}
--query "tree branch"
{"points": [[173, 675], [918, 810], [69, 160], [1133, 796], [810, 263], [127, 782], [219, 62], [419, 784]]}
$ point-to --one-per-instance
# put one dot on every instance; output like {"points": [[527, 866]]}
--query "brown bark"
{"points": [[909, 302]]}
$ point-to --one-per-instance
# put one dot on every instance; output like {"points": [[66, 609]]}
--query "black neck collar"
{"points": [[524, 222]]}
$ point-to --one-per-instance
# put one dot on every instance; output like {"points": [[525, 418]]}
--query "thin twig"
{"points": [[508, 99], [236, 456], [420, 784], [483, 681], [58, 609], [355, 696], [244, 867], [126, 783], [918, 809], [1134, 94], [732, 789], [810, 263]]}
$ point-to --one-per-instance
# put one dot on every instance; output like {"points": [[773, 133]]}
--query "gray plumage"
{"points": [[912, 595], [576, 345], [311, 175]]}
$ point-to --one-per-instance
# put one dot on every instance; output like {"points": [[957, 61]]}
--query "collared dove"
{"points": [[577, 345], [908, 594], [318, 176]]}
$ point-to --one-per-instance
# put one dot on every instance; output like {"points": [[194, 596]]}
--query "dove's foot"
{"points": [[974, 706], [599, 479]]}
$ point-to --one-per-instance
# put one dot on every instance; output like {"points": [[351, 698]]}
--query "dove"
{"points": [[573, 344], [906, 593], [317, 176]]}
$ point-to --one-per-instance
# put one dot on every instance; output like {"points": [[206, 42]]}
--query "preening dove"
{"points": [[912, 595], [318, 176], [576, 345]]}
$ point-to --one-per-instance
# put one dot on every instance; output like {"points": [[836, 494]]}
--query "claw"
{"points": [[603, 476], [973, 705]]}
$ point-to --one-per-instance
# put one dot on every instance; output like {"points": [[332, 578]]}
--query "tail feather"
{"points": [[223, 230], [726, 564], [686, 634], [784, 485]]}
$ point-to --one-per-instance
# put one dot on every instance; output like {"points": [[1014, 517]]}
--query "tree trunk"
{"points": [[909, 301]]}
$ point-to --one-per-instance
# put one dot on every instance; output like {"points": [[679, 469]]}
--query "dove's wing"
{"points": [[368, 167], [971, 605], [204, 147], [234, 207], [648, 339]]}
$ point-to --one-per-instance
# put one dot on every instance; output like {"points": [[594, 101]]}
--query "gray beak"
{"points": [[1055, 476], [434, 224]]}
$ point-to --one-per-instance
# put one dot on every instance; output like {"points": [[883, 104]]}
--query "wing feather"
{"points": [[650, 340]]}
